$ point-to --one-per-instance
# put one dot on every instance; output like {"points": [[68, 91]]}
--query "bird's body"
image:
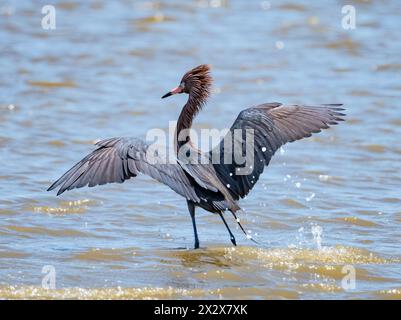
{"points": [[215, 186]]}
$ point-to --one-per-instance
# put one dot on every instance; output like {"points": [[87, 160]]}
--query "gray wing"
{"points": [[273, 125], [119, 159]]}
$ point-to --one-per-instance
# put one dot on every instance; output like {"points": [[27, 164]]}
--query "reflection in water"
{"points": [[325, 203]]}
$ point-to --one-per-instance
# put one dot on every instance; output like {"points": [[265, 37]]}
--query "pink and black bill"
{"points": [[173, 91]]}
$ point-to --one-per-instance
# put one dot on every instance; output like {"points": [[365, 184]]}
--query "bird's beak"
{"points": [[173, 91]]}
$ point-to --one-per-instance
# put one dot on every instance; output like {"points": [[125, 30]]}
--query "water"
{"points": [[325, 205]]}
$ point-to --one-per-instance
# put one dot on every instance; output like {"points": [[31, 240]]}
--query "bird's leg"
{"points": [[232, 238], [243, 230], [191, 208]]}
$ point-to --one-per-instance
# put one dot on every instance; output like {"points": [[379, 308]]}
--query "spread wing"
{"points": [[273, 125], [119, 159]]}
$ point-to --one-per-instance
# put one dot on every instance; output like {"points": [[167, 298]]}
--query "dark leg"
{"points": [[232, 238], [191, 208], [243, 230]]}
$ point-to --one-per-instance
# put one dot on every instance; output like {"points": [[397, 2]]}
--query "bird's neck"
{"points": [[188, 113]]}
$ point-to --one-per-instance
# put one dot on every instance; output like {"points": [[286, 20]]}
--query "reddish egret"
{"points": [[215, 187]]}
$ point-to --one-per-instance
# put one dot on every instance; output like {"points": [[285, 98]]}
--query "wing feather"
{"points": [[119, 159], [274, 125]]}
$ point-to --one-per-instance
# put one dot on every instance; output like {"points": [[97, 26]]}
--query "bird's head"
{"points": [[195, 82]]}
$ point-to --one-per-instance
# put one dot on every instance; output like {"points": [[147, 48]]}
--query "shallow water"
{"points": [[324, 205]]}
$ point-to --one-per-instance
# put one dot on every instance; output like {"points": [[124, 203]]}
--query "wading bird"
{"points": [[215, 187]]}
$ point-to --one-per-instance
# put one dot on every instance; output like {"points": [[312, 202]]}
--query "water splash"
{"points": [[317, 232], [300, 237]]}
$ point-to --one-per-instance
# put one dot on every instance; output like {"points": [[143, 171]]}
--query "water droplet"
{"points": [[312, 195], [265, 5], [279, 45], [324, 177], [215, 3]]}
